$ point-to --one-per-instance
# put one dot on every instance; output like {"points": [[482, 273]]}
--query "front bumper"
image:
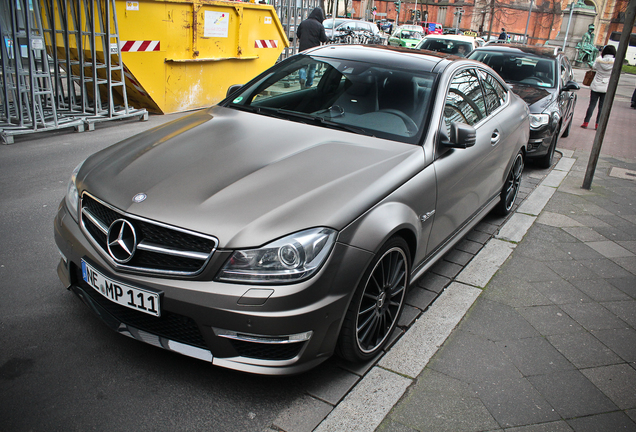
{"points": [[539, 141], [274, 330]]}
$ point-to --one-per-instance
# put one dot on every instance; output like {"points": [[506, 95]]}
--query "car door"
{"points": [[467, 178]]}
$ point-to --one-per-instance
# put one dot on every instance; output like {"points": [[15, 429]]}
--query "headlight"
{"points": [[538, 120], [290, 259], [72, 196]]}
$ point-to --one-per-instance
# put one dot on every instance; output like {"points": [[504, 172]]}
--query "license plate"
{"points": [[125, 295]]}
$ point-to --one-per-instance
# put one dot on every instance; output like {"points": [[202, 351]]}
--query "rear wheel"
{"points": [[511, 186], [377, 303]]}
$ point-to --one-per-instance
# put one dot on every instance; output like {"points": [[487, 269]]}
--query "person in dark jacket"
{"points": [[310, 33], [503, 35]]}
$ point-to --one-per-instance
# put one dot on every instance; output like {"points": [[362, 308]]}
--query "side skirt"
{"points": [[453, 240]]}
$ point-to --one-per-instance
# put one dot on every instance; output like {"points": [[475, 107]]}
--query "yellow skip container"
{"points": [[184, 54], [177, 55]]}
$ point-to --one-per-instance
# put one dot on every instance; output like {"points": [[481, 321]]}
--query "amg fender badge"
{"points": [[426, 216]]}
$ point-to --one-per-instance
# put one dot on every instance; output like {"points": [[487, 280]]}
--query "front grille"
{"points": [[265, 351], [160, 249], [173, 326]]}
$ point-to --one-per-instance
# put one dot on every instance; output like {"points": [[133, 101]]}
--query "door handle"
{"points": [[496, 136]]}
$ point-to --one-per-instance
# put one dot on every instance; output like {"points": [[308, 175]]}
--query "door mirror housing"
{"points": [[461, 136], [570, 85], [233, 88]]}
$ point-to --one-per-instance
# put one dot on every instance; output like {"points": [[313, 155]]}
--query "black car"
{"points": [[541, 76]]}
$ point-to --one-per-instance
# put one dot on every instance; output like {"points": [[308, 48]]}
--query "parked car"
{"points": [[406, 37], [432, 28], [361, 31], [543, 77], [450, 44], [452, 30], [386, 26], [284, 224]]}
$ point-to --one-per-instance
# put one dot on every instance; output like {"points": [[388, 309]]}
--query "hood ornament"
{"points": [[140, 197]]}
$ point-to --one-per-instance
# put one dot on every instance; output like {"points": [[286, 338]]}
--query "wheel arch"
{"points": [[373, 229]]}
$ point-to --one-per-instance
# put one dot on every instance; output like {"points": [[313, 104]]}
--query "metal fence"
{"points": [[61, 66]]}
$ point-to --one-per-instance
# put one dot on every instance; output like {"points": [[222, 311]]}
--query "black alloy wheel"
{"points": [[511, 186], [377, 303]]}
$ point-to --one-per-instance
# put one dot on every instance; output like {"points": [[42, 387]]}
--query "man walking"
{"points": [[310, 33], [503, 36]]}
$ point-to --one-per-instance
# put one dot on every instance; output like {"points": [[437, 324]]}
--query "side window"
{"points": [[494, 93], [568, 70], [565, 75], [464, 102]]}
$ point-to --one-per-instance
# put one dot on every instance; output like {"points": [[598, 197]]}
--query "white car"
{"points": [[450, 44]]}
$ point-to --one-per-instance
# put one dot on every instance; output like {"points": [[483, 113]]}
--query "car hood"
{"points": [[248, 179], [538, 99]]}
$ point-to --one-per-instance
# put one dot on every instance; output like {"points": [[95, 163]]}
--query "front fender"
{"points": [[405, 211], [374, 228]]}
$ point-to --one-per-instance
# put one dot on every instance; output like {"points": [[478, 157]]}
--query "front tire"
{"points": [[566, 133], [546, 160], [377, 303], [511, 186]]}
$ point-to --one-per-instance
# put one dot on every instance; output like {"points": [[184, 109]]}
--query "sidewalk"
{"points": [[548, 342]]}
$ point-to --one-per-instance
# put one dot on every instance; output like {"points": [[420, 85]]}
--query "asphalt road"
{"points": [[60, 367]]}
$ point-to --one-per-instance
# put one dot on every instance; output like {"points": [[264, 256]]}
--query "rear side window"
{"points": [[465, 101], [494, 93]]}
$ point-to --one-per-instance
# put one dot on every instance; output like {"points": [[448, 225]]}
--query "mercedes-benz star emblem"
{"points": [[140, 197], [122, 241]]}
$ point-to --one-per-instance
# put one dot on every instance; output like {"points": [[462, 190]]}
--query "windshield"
{"points": [[446, 46], [520, 68], [359, 97]]}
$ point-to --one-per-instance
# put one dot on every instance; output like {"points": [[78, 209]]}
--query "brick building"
{"points": [[484, 15]]}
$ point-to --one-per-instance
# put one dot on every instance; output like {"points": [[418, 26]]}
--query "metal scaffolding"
{"points": [[61, 66]]}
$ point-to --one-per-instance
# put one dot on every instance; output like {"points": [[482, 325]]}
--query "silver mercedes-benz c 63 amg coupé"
{"points": [[286, 223]]}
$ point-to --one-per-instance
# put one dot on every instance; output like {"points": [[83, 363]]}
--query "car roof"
{"points": [[399, 57], [540, 51]]}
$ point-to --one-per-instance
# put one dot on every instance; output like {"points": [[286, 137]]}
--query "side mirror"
{"points": [[570, 85], [233, 88], [461, 136]]}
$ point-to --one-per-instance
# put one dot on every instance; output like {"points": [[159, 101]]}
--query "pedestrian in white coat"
{"points": [[603, 67]]}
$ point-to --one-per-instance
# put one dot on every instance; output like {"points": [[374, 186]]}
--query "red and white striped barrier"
{"points": [[265, 44], [139, 46]]}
